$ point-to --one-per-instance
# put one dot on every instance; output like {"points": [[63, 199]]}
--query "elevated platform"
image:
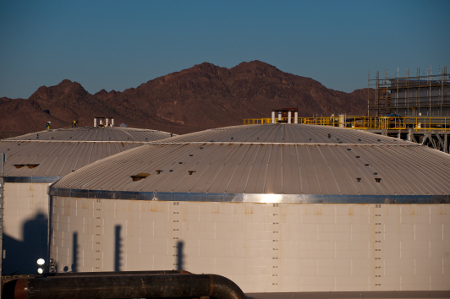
{"points": [[430, 131]]}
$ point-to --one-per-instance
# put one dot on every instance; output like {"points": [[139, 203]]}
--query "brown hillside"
{"points": [[201, 97]]}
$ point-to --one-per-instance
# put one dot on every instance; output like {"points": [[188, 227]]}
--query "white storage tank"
{"points": [[276, 208], [33, 162]]}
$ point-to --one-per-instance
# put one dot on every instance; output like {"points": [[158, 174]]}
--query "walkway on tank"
{"points": [[431, 131]]}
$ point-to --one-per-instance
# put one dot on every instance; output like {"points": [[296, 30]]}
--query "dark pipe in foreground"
{"points": [[9, 281], [114, 273], [128, 286]]}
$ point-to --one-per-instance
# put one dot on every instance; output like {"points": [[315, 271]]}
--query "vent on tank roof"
{"points": [[104, 122]]}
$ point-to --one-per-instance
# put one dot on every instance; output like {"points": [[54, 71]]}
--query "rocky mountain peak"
{"points": [[59, 92], [201, 97]]}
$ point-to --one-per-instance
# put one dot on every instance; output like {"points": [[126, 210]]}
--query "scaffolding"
{"points": [[420, 95]]}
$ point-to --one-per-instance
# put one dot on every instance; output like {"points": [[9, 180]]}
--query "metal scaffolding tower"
{"points": [[421, 95]]}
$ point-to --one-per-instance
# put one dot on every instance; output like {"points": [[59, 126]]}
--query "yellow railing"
{"points": [[257, 121], [420, 123]]}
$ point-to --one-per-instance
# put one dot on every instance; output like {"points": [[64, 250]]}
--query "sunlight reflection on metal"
{"points": [[271, 198]]}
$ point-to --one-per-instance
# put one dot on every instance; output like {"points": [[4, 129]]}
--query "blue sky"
{"points": [[121, 44]]}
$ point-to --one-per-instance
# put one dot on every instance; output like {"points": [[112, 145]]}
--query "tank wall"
{"points": [[261, 247], [25, 226]]}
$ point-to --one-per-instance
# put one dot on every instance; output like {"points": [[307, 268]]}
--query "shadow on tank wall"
{"points": [[20, 257], [74, 253], [180, 255], [117, 247], [118, 251]]}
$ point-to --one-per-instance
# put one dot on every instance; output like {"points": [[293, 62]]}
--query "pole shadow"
{"points": [[180, 255], [75, 252], [117, 248]]}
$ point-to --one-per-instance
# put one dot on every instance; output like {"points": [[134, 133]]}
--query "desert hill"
{"points": [[201, 97]]}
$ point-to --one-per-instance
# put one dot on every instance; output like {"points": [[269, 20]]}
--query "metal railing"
{"points": [[257, 121], [418, 124]]}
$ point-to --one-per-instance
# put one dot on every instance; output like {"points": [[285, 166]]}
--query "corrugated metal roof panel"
{"points": [[95, 134], [56, 153], [285, 133], [54, 159], [388, 168]]}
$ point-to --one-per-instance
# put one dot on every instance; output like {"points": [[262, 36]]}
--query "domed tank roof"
{"points": [[48, 155], [95, 134], [269, 163], [285, 133]]}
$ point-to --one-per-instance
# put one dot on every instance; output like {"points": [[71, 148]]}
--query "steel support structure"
{"points": [[2, 161], [422, 95]]}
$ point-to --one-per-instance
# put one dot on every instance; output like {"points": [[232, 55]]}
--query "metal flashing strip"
{"points": [[168, 142], [24, 179], [253, 198], [76, 141]]}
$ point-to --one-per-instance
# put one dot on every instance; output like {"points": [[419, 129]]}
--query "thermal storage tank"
{"points": [[276, 208], [33, 162]]}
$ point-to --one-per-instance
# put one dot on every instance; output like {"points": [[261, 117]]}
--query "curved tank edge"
{"points": [[253, 198], [30, 179]]}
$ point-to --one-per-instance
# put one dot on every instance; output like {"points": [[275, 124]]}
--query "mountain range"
{"points": [[201, 97]]}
